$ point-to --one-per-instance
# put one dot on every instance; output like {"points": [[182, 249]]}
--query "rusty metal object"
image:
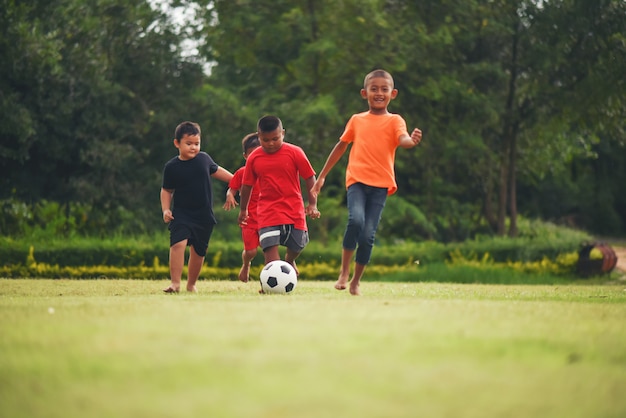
{"points": [[593, 267]]}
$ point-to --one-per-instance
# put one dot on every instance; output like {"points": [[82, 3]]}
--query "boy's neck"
{"points": [[379, 111]]}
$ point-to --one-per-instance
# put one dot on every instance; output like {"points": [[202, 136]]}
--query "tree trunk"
{"points": [[488, 209], [512, 186], [502, 197], [510, 133]]}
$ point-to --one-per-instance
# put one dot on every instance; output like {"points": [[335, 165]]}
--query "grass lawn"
{"points": [[121, 348]]}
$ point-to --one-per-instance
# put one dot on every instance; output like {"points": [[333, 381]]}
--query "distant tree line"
{"points": [[522, 103]]}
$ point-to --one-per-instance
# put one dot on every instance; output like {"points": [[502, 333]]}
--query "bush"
{"points": [[539, 241]]}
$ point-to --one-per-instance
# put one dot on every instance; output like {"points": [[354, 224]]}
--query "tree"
{"points": [[96, 84]]}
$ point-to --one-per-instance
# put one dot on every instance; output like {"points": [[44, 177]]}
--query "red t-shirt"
{"points": [[235, 184], [277, 178]]}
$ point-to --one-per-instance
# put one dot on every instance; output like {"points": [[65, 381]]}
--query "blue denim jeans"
{"points": [[365, 207]]}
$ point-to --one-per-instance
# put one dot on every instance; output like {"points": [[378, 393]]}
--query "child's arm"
{"points": [[311, 207], [222, 174], [231, 202], [244, 198], [334, 156], [406, 141], [166, 204]]}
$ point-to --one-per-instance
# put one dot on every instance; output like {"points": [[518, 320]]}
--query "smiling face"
{"points": [[188, 146], [379, 92], [272, 141]]}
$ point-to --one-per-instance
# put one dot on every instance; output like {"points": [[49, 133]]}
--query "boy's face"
{"points": [[188, 146], [378, 93], [272, 141], [249, 151]]}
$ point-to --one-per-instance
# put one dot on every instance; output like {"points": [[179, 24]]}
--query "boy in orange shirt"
{"points": [[370, 177]]}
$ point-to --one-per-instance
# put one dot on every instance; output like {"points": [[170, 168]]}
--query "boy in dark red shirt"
{"points": [[249, 230], [275, 169]]}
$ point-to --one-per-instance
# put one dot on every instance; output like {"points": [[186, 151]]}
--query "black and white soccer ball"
{"points": [[278, 277]]}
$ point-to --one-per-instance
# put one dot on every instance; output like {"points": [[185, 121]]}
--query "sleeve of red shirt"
{"points": [[249, 178], [235, 182], [304, 165]]}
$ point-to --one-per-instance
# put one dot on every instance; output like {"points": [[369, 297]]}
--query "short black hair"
{"points": [[375, 74], [186, 128], [250, 141], [269, 123]]}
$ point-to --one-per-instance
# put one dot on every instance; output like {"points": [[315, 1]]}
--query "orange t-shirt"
{"points": [[374, 141]]}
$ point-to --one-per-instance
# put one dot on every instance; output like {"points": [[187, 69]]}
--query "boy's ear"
{"points": [[363, 94], [394, 93]]}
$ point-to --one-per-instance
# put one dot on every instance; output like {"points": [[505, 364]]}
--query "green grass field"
{"points": [[120, 348]]}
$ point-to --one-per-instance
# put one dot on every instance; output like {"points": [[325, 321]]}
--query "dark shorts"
{"points": [[197, 235], [287, 235]]}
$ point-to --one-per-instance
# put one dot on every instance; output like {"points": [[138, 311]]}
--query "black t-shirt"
{"points": [[191, 182]]}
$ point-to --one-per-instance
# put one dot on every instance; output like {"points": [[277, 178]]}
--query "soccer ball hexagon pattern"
{"points": [[278, 277]]}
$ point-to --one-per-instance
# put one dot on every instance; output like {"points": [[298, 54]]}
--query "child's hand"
{"points": [[167, 216], [406, 141], [311, 210], [416, 136], [243, 217], [317, 186], [230, 203]]}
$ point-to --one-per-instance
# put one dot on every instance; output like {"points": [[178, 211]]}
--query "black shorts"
{"points": [[287, 235], [197, 235]]}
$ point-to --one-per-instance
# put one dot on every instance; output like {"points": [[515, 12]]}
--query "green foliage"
{"points": [[91, 92], [544, 250]]}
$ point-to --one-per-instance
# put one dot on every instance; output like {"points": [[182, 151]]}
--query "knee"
{"points": [[368, 236], [356, 222], [250, 253]]}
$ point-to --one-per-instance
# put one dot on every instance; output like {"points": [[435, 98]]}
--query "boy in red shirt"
{"points": [[375, 135], [275, 169], [250, 230]]}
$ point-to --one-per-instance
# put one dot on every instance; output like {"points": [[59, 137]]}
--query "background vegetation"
{"points": [[522, 104]]}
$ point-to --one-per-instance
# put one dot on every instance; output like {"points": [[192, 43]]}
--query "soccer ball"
{"points": [[278, 277]]}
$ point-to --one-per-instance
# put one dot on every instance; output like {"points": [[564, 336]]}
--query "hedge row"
{"points": [[129, 253]]}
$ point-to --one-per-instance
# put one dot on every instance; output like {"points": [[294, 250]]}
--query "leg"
{"points": [[194, 266], [356, 221], [250, 238], [344, 274], [359, 269], [295, 241], [271, 254], [177, 262], [375, 203], [290, 257], [246, 258]]}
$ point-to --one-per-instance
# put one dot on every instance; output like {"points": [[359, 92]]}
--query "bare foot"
{"points": [[192, 289], [341, 283], [244, 273], [170, 289], [295, 267], [354, 290]]}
